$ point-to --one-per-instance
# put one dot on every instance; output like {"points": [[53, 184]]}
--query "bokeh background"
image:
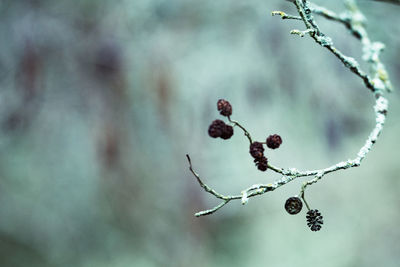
{"points": [[101, 100]]}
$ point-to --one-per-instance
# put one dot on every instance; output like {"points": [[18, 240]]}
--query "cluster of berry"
{"points": [[257, 151], [218, 128]]}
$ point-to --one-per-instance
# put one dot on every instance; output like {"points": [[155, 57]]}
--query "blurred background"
{"points": [[101, 100]]}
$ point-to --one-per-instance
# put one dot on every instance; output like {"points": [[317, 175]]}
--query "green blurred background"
{"points": [[101, 100]]}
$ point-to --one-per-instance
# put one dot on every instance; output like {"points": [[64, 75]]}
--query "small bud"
{"points": [[262, 163], [227, 132], [216, 128], [256, 150], [314, 220], [224, 107], [274, 141], [293, 205]]}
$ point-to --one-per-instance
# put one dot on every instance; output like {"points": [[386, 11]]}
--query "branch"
{"points": [[246, 133], [354, 21], [252, 191], [377, 83], [284, 15]]}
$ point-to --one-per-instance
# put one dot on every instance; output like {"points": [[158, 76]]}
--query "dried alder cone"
{"points": [[224, 107], [293, 205], [314, 220], [274, 141], [256, 150], [262, 163], [215, 129], [218, 128], [227, 132]]}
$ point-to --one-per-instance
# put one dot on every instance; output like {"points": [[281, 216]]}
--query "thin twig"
{"points": [[246, 133], [284, 15], [206, 187]]}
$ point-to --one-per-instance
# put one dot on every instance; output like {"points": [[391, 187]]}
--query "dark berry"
{"points": [[216, 128], [227, 132], [256, 150], [262, 163], [314, 220], [274, 141], [293, 205], [224, 107]]}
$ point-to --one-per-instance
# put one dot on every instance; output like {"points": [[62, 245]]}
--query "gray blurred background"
{"points": [[101, 100]]}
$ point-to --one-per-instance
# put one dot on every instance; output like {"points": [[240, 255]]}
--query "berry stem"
{"points": [[246, 133], [304, 200]]}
